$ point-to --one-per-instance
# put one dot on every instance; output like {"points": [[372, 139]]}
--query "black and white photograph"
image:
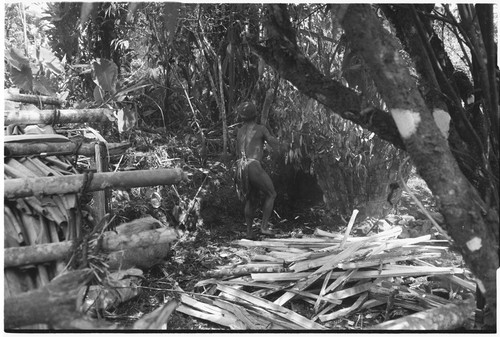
{"points": [[232, 167]]}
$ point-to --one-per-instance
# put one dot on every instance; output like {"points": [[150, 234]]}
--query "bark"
{"points": [[464, 140], [458, 201], [20, 188], [21, 149], [57, 116]]}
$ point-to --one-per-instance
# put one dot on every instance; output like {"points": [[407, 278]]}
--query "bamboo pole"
{"points": [[33, 99], [63, 116], [19, 149], [19, 188]]}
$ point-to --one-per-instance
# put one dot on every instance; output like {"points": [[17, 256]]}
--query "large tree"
{"points": [[450, 135]]}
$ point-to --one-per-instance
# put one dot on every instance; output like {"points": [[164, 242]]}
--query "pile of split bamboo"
{"points": [[331, 275], [38, 220]]}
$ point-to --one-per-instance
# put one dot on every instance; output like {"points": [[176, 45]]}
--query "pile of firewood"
{"points": [[330, 276]]}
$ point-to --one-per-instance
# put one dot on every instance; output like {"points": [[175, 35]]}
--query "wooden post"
{"points": [[101, 165], [20, 188]]}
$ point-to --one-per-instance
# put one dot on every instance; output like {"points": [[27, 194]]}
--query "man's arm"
{"points": [[271, 140]]}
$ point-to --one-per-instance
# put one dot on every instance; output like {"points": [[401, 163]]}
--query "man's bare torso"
{"points": [[251, 138]]}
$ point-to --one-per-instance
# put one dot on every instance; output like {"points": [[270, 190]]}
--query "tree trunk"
{"points": [[48, 252], [458, 201], [20, 188]]}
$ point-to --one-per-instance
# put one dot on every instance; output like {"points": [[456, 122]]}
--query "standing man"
{"points": [[250, 176]]}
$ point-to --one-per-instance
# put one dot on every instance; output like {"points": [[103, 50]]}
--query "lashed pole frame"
{"points": [[100, 162]]}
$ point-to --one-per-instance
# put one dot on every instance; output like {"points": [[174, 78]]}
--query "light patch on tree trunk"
{"points": [[406, 120], [474, 244], [442, 119], [480, 285]]}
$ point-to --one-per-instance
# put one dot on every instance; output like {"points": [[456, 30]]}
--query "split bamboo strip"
{"points": [[345, 293], [349, 227], [275, 288], [364, 274], [18, 188], [261, 257], [28, 163], [16, 223], [22, 206], [18, 167], [12, 172], [376, 261], [54, 238], [210, 313], [327, 261], [453, 278], [35, 237], [252, 322], [63, 116], [47, 171], [278, 310], [247, 269], [391, 244], [276, 322], [340, 280], [345, 311], [327, 265], [11, 236], [57, 162]]}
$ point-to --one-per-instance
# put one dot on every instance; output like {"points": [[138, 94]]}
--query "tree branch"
{"points": [[285, 56]]}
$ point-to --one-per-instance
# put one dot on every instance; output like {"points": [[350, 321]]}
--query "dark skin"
{"points": [[250, 140]]}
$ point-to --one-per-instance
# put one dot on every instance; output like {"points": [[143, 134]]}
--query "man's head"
{"points": [[247, 111]]}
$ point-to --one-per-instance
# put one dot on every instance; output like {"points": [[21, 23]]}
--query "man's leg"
{"points": [[249, 214], [260, 179]]}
